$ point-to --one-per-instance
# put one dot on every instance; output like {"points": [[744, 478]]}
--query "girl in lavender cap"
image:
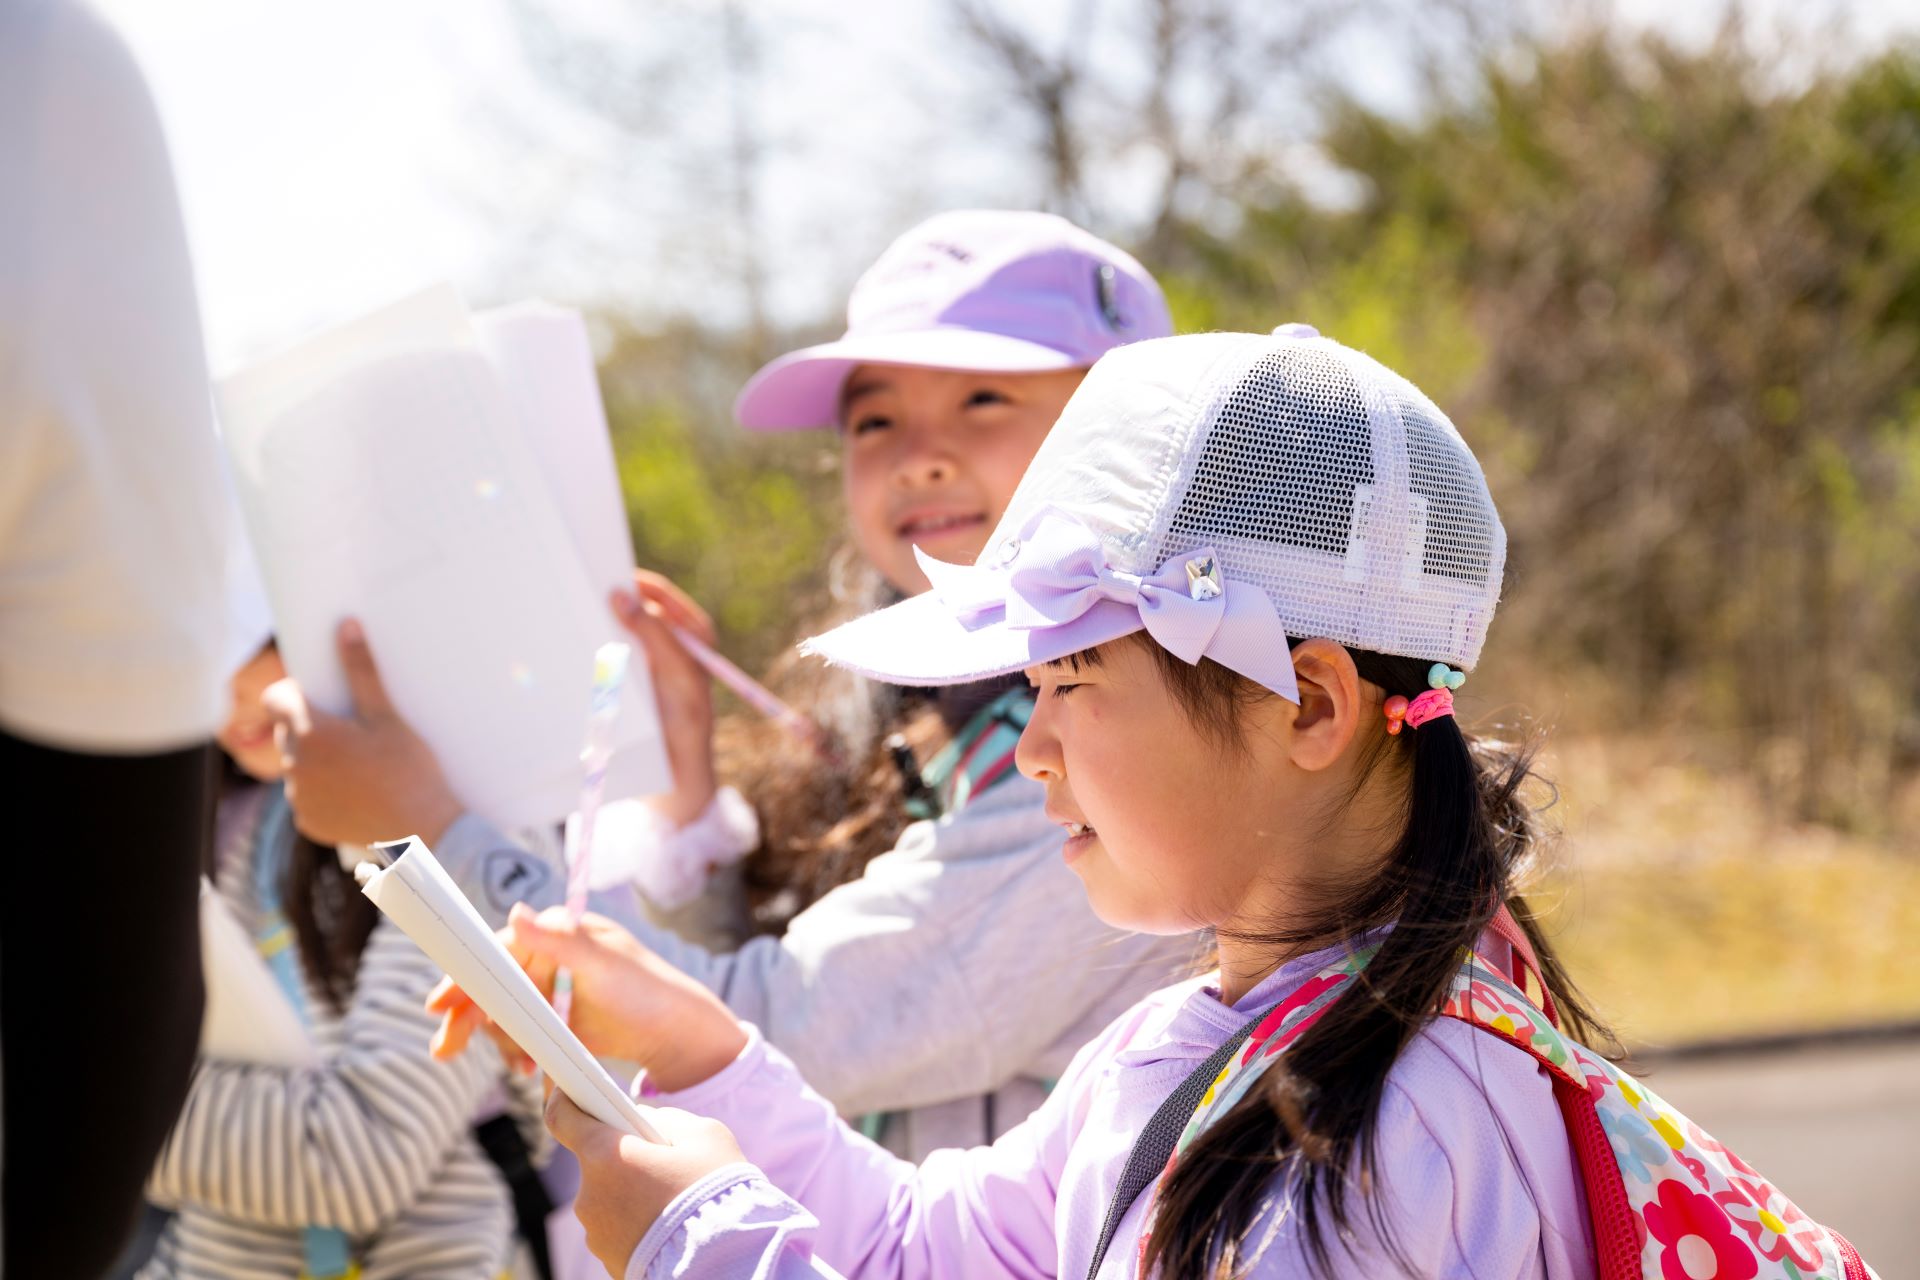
{"points": [[1244, 575], [925, 957]]}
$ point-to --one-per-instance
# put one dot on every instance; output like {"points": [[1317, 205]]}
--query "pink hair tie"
{"points": [[1431, 705]]}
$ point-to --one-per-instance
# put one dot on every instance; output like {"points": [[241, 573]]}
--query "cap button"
{"points": [[1297, 331]]}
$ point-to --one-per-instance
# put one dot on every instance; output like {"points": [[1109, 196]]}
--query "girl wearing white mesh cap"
{"points": [[1245, 574]]}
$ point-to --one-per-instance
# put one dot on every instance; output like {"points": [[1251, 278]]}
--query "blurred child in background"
{"points": [[366, 1165]]}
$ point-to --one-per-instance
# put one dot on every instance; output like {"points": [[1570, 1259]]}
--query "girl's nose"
{"points": [[923, 468], [1037, 754]]}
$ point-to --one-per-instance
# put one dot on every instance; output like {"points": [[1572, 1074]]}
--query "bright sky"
{"points": [[334, 155]]}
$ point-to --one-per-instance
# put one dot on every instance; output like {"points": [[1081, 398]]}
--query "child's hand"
{"points": [[359, 778], [627, 1002], [627, 1182], [681, 687]]}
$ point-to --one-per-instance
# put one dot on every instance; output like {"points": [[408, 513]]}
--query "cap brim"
{"points": [[920, 642], [802, 388]]}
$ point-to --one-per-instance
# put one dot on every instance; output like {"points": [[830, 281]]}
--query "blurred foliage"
{"points": [[1691, 912], [1674, 306], [746, 523]]}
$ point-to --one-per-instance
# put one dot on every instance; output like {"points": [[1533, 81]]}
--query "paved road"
{"points": [[1837, 1128]]}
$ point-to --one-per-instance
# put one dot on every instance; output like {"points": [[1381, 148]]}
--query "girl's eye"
{"points": [[985, 396], [872, 422], [1062, 690]]}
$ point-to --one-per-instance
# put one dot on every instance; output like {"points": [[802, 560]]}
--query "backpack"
{"points": [[1667, 1201]]}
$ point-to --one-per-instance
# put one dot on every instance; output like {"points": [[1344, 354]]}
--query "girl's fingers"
{"points": [[666, 656], [446, 997], [675, 605], [455, 1031], [543, 942], [510, 1052], [573, 1128], [363, 677]]}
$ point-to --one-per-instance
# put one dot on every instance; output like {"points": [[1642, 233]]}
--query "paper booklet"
{"points": [[449, 481], [248, 1017], [415, 892]]}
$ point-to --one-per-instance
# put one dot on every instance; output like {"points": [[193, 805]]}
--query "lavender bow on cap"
{"points": [[1054, 581]]}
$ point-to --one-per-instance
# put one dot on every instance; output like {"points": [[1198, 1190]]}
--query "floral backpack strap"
{"points": [[1664, 1197], [1152, 1154], [1215, 1086], [1526, 965]]}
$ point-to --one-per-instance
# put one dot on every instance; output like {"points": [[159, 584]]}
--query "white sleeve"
{"points": [[112, 521]]}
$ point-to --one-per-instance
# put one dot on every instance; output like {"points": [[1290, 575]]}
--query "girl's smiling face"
{"points": [[932, 457]]}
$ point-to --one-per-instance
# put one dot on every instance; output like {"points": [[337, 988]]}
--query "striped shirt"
{"points": [[377, 1142]]}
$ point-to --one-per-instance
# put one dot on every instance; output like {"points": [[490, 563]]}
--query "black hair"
{"points": [[1468, 833], [330, 918]]}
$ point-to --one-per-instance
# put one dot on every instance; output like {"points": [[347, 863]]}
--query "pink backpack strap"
{"points": [[1616, 1243], [1504, 927], [1850, 1256]]}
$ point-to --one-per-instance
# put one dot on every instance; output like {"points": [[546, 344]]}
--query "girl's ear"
{"points": [[1332, 702]]}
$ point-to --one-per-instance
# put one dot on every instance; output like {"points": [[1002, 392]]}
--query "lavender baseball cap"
{"points": [[987, 290]]}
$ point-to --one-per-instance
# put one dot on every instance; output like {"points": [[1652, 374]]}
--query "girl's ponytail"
{"points": [[1310, 1118], [331, 918]]}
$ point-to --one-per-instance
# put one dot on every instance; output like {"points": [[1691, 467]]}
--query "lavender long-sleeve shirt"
{"points": [[1478, 1176], [957, 971]]}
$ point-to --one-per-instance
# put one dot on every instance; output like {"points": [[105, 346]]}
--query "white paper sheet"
{"points": [[248, 1017], [416, 893], [386, 473], [544, 359]]}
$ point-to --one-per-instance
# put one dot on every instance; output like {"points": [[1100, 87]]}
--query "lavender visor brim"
{"points": [[802, 388]]}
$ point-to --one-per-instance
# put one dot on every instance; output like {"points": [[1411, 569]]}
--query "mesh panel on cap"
{"points": [[1460, 524], [1287, 450], [1334, 485]]}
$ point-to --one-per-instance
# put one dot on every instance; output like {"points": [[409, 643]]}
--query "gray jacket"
{"points": [[947, 986]]}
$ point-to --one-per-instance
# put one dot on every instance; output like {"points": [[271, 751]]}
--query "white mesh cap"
{"points": [[1312, 471]]}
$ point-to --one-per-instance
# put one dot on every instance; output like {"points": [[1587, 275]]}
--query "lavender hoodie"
{"points": [[1479, 1178]]}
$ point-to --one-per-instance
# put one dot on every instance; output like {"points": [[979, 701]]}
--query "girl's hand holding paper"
{"points": [[627, 1002], [361, 778]]}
